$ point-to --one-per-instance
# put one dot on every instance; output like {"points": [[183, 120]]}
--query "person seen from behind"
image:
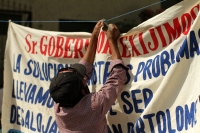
{"points": [[76, 109]]}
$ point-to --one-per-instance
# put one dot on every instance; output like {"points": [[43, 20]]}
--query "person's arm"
{"points": [[107, 95], [113, 35], [88, 58], [91, 50]]}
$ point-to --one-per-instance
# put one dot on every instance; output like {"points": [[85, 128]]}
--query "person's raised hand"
{"points": [[112, 33], [97, 28], [91, 49]]}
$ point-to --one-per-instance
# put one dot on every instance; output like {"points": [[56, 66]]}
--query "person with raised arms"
{"points": [[76, 109]]}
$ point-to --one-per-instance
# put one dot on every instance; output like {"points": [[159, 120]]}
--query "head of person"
{"points": [[68, 87]]}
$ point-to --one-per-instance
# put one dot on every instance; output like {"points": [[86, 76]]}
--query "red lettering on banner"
{"points": [[103, 44], [173, 32], [100, 43], [134, 49], [124, 48], [192, 12], [186, 21], [87, 42], [78, 47], [43, 47], [143, 44], [106, 49], [31, 47], [155, 40], [28, 43], [161, 35], [68, 53], [59, 47], [51, 47]]}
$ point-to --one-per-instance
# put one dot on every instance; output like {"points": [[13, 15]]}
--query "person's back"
{"points": [[83, 117], [88, 115]]}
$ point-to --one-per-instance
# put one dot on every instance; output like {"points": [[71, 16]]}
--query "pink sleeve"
{"points": [[88, 67], [113, 86]]}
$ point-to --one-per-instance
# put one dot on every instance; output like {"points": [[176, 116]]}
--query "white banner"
{"points": [[161, 94]]}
